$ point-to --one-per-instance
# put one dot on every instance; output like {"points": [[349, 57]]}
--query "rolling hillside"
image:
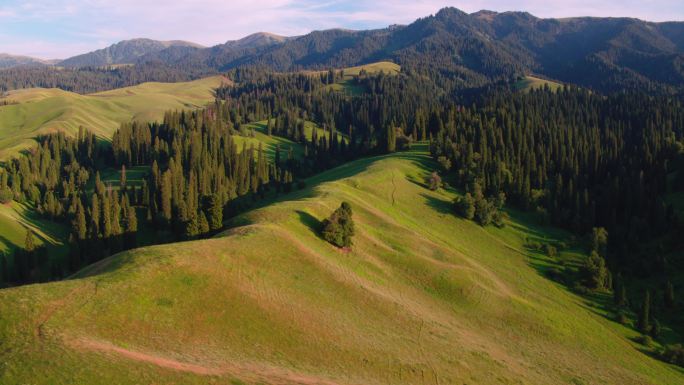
{"points": [[423, 297], [40, 111]]}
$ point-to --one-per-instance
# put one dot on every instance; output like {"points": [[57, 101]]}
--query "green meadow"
{"points": [[531, 82]]}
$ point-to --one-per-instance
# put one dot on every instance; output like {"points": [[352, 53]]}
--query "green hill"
{"points": [[423, 297], [346, 84], [40, 111]]}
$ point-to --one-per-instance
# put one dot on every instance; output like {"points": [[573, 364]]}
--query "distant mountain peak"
{"points": [[258, 39], [124, 52], [8, 60]]}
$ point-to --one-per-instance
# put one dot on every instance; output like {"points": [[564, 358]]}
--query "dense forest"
{"points": [[86, 80], [599, 166]]}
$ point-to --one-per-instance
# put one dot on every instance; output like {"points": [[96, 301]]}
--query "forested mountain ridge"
{"points": [[600, 53], [8, 61], [462, 50], [125, 52]]}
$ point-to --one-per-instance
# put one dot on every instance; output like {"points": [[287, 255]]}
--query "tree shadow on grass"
{"points": [[310, 221], [440, 205]]}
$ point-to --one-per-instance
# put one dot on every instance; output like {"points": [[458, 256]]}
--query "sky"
{"points": [[53, 29]]}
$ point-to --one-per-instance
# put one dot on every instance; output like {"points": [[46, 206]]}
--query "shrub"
{"points": [[6, 195], [444, 162], [621, 318], [673, 354], [465, 206], [646, 340], [338, 229], [499, 218], [550, 251], [434, 181], [555, 274], [594, 272]]}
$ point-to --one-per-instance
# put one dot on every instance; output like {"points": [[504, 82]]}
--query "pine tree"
{"points": [[95, 217], [465, 206], [595, 273], [391, 135], [29, 241], [203, 223], [643, 323], [215, 212], [669, 296], [106, 217], [131, 230], [619, 292], [80, 226], [192, 226], [166, 193], [122, 178]]}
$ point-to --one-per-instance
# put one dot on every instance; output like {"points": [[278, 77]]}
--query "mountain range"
{"points": [[8, 61], [126, 52], [474, 49]]}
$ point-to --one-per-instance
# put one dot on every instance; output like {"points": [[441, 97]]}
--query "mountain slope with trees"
{"points": [[125, 52], [475, 49], [421, 296]]}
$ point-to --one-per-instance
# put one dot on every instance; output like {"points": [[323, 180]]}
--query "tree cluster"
{"points": [[338, 229]]}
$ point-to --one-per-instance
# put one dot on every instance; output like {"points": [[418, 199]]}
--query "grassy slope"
{"points": [[16, 218], [423, 297], [346, 84], [42, 111], [531, 82], [270, 142]]}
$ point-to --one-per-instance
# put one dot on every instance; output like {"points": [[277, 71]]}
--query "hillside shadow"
{"points": [[29, 218], [8, 244]]}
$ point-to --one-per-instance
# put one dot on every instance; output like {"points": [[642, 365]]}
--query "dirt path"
{"points": [[101, 346], [53, 307], [244, 371]]}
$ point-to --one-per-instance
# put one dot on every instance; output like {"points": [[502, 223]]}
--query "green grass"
{"points": [[111, 176], [42, 111], [531, 82], [269, 143], [347, 84], [373, 68], [16, 218], [422, 297]]}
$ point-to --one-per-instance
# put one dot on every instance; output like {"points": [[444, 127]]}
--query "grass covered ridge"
{"points": [[531, 82], [423, 297]]}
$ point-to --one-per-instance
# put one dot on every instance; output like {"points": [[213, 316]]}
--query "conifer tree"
{"points": [[644, 320], [338, 229], [122, 177], [215, 212], [669, 296], [80, 226], [29, 241]]}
